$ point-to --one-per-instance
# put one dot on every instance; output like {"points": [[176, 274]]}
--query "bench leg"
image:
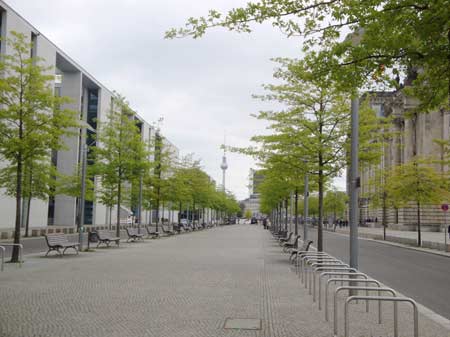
{"points": [[74, 247]]}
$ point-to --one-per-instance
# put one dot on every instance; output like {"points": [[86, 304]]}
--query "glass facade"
{"points": [[91, 119]]}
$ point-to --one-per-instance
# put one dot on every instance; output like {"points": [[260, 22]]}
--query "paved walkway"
{"points": [[182, 286]]}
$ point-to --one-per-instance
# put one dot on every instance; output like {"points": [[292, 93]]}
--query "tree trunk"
{"points": [[15, 252], [193, 213], [278, 217], [162, 213], [286, 203], [384, 216], [320, 224], [157, 208], [110, 217], [119, 200], [27, 219], [419, 233], [296, 211], [179, 213]]}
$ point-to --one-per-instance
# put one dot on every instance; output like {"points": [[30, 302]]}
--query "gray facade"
{"points": [[92, 100]]}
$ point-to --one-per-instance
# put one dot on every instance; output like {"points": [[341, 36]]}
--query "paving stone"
{"points": [[182, 286]]}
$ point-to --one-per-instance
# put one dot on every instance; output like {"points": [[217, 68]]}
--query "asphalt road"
{"points": [[422, 276]]}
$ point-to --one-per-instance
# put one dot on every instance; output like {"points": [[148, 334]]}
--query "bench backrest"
{"points": [[104, 234], [149, 231], [131, 231], [56, 239], [306, 245]]}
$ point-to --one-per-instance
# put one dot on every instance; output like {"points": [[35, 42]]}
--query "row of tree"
{"points": [[148, 175], [347, 46], [122, 169]]}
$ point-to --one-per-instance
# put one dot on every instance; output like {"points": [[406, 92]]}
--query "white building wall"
{"points": [[46, 50], [75, 80]]}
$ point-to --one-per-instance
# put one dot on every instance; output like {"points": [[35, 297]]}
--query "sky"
{"points": [[201, 88]]}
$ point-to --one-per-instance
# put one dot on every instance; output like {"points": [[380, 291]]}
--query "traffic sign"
{"points": [[444, 207]]}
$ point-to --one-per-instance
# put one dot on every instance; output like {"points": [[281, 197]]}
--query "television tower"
{"points": [[224, 164]]}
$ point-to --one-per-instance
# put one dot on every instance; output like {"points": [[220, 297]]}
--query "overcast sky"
{"points": [[202, 88]]}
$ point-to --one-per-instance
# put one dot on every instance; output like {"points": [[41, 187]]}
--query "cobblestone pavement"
{"points": [[182, 286]]}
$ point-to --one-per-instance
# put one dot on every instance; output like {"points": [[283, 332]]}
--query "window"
{"points": [[33, 45], [2, 13]]}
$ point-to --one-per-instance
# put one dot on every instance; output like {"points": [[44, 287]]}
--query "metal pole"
{"points": [[445, 232], [83, 193], [305, 209], [139, 210], [290, 212], [354, 184]]}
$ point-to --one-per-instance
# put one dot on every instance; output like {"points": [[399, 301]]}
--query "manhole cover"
{"points": [[243, 323]]}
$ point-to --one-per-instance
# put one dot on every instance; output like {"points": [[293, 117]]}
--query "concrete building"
{"points": [[411, 137], [252, 203], [93, 101]]}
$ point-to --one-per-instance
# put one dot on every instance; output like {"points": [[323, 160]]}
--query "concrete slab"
{"points": [[243, 323]]}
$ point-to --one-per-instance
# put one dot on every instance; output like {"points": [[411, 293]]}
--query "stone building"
{"points": [[412, 136]]}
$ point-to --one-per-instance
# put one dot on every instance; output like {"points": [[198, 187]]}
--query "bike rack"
{"points": [[367, 289], [342, 280], [348, 272], [309, 262], [3, 250], [305, 255], [386, 299], [306, 267], [325, 267]]}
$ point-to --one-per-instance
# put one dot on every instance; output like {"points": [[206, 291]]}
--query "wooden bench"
{"points": [[106, 237], [151, 233], [133, 234], [167, 230], [177, 228], [285, 239], [304, 248], [59, 241], [291, 244]]}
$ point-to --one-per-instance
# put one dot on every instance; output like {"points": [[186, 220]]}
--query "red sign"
{"points": [[444, 207]]}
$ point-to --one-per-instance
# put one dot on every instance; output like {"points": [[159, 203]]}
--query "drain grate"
{"points": [[243, 323]]}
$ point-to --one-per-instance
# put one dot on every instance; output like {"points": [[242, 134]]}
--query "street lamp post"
{"points": [[354, 184]]}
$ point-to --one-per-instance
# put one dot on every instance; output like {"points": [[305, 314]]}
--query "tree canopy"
{"points": [[359, 43]]}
